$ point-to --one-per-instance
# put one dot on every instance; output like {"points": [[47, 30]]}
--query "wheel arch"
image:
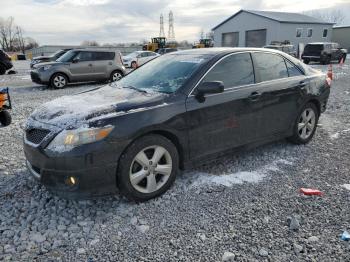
{"points": [[60, 72], [167, 134], [317, 103]]}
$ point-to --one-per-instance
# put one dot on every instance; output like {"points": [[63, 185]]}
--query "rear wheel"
{"points": [[59, 81], [306, 61], [5, 118], [2, 70], [148, 168], [305, 125], [343, 57], [134, 65]]}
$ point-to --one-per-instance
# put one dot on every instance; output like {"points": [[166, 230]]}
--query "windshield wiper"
{"points": [[134, 88]]}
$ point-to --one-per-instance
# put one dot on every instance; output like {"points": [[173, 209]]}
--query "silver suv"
{"points": [[80, 65]]}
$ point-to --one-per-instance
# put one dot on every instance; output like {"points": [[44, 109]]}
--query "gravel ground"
{"points": [[244, 207]]}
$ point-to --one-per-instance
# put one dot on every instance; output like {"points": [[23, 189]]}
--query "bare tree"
{"points": [[7, 33], [11, 35], [30, 43], [335, 16]]}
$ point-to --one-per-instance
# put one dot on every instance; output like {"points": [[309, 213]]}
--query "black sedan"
{"points": [[175, 111]]}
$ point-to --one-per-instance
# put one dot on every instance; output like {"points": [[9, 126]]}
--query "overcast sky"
{"points": [[113, 21]]}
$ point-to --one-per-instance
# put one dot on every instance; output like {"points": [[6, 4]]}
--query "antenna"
{"points": [[161, 31], [171, 33]]}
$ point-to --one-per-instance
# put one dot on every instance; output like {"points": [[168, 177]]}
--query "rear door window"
{"points": [[293, 70], [234, 70], [104, 56], [270, 66]]}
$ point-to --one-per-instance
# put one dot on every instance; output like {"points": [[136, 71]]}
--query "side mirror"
{"points": [[205, 88], [75, 60]]}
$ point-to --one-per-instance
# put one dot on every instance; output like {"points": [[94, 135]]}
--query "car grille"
{"points": [[35, 136]]}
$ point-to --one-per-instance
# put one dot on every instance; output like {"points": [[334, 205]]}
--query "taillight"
{"points": [[328, 81], [120, 58]]}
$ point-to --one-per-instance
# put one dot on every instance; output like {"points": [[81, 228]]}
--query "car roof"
{"points": [[223, 51], [321, 43], [94, 50]]}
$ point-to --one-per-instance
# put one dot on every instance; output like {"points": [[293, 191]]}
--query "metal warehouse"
{"points": [[341, 35], [249, 28]]}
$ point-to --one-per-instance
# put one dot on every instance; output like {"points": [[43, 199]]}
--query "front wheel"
{"points": [[305, 125], [148, 168], [59, 81], [306, 61]]}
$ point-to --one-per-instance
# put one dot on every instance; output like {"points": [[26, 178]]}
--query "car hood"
{"points": [[109, 101], [42, 58], [54, 63]]}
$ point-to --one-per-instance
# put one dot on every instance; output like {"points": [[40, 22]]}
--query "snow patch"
{"points": [[198, 179], [346, 186], [334, 136]]}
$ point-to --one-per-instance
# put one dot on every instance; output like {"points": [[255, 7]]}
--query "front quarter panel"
{"points": [[168, 117]]}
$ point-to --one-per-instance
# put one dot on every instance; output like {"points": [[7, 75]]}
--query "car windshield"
{"points": [[165, 74], [56, 53], [133, 54], [67, 57]]}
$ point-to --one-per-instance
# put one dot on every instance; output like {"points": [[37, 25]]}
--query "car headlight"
{"points": [[68, 139], [47, 67]]}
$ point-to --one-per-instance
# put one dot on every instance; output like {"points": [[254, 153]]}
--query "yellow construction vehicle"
{"points": [[158, 43], [204, 43], [155, 44]]}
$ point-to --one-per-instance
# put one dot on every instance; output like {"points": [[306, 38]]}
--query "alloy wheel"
{"points": [[59, 81], [150, 169], [307, 123], [117, 76]]}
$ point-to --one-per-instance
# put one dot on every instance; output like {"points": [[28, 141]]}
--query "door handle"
{"points": [[110, 63], [90, 64], [254, 96]]}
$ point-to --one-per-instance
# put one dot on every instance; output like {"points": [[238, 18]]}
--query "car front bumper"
{"points": [[93, 167], [40, 77]]}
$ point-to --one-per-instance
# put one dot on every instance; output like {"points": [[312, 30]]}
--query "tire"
{"points": [[2, 70], [59, 81], [137, 159], [133, 65], [5, 118], [327, 61], [116, 75], [304, 129], [343, 57], [306, 61]]}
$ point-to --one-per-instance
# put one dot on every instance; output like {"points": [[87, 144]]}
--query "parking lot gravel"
{"points": [[242, 207]]}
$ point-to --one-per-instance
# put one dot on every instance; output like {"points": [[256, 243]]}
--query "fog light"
{"points": [[71, 181]]}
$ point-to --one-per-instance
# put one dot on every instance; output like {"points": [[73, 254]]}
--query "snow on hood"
{"points": [[75, 110]]}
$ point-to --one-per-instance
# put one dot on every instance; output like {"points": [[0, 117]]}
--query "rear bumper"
{"points": [[311, 58], [324, 100], [8, 64]]}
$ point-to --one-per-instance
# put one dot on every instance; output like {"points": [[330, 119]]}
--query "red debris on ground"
{"points": [[311, 192]]}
